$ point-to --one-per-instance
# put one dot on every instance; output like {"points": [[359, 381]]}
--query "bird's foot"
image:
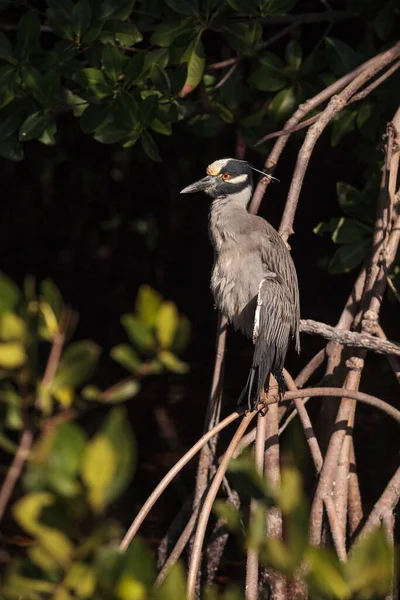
{"points": [[273, 396]]}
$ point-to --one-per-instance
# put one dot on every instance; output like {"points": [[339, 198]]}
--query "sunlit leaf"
{"points": [[99, 466], [12, 355], [172, 362], [12, 327], [167, 324], [194, 57], [174, 585], [370, 564], [148, 303], [326, 574], [125, 390], [27, 512], [125, 355]]}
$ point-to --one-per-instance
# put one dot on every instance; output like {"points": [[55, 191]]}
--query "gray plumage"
{"points": [[254, 281]]}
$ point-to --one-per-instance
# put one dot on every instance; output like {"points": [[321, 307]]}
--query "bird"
{"points": [[254, 280]]}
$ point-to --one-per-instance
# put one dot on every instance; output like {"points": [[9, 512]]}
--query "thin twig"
{"points": [[298, 115], [208, 503], [14, 471], [152, 499], [356, 98]]}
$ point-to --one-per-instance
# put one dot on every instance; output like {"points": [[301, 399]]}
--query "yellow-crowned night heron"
{"points": [[254, 280]]}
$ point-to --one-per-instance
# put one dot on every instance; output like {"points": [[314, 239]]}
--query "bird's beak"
{"points": [[200, 186]]}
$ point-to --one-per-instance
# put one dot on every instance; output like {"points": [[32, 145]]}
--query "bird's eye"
{"points": [[225, 176]]}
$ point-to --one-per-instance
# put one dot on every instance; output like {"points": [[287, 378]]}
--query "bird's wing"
{"points": [[277, 259], [271, 332]]}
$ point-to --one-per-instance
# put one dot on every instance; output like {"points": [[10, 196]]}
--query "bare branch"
{"points": [[152, 499], [349, 338], [209, 501]]}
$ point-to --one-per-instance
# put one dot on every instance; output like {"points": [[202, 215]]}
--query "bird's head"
{"points": [[224, 177]]}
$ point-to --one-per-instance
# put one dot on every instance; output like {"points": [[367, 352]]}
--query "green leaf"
{"points": [[369, 568], [94, 116], [35, 83], [81, 16], [12, 355], [148, 303], [138, 333], [8, 125], [10, 294], [12, 327], [293, 55], [241, 36], [51, 294], [194, 57], [148, 110], [166, 33], [230, 515], [32, 127], [160, 80], [99, 466], [27, 512], [125, 390], [111, 133], [340, 56], [6, 51], [270, 77], [149, 146], [66, 450], [77, 364], [134, 69], [93, 79], [126, 34], [283, 104], [352, 202], [174, 585], [117, 430], [343, 124], [116, 9], [189, 8], [277, 7], [113, 62], [326, 575], [172, 362], [167, 324], [160, 57], [28, 34], [11, 149], [162, 128], [59, 17], [348, 256], [48, 136], [125, 356], [246, 7]]}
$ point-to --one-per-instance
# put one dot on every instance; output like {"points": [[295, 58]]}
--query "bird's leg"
{"points": [[263, 404]]}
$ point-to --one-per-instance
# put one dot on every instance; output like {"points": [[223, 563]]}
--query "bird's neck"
{"points": [[238, 200], [227, 215]]}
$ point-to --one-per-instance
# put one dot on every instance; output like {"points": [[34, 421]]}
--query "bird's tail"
{"points": [[259, 375]]}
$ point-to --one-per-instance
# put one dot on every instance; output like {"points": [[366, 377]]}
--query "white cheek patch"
{"points": [[238, 179]]}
